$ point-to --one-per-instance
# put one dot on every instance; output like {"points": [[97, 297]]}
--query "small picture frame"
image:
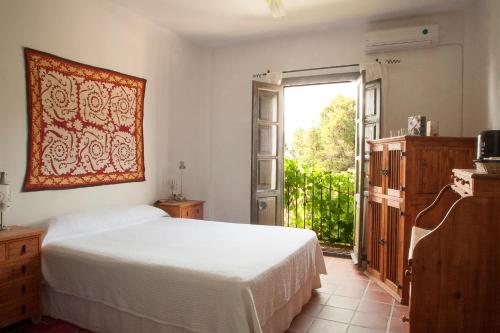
{"points": [[417, 125]]}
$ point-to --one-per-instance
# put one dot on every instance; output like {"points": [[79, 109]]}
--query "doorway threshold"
{"points": [[340, 251]]}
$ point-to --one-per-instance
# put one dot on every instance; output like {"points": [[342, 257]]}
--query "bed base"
{"points": [[99, 317]]}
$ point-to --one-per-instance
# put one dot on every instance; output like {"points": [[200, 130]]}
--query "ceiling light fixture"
{"points": [[276, 7]]}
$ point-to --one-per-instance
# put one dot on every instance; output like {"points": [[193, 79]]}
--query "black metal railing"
{"points": [[321, 201]]}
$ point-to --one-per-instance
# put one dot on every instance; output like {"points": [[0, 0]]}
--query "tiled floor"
{"points": [[349, 302]]}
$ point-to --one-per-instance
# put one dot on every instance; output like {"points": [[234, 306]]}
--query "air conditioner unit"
{"points": [[401, 38]]}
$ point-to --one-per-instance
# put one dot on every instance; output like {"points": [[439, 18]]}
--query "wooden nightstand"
{"points": [[20, 275], [189, 209]]}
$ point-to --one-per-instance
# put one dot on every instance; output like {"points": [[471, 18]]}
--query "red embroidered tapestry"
{"points": [[85, 124]]}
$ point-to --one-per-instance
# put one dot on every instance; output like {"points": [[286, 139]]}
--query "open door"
{"points": [[367, 128], [267, 154]]}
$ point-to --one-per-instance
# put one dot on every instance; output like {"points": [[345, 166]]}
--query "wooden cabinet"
{"points": [[189, 209], [454, 259], [20, 275], [405, 173]]}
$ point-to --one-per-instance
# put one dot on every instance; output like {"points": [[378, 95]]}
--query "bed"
{"points": [[134, 269]]}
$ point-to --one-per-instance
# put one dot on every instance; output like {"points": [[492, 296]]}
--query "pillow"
{"points": [[76, 224]]}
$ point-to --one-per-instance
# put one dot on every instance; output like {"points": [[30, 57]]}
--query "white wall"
{"points": [[189, 126], [482, 63], [413, 83], [198, 101], [426, 82], [105, 35]]}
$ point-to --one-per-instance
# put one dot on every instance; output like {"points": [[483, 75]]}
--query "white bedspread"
{"points": [[199, 275]]}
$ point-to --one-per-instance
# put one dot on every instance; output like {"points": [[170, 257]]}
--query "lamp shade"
{"points": [[5, 196]]}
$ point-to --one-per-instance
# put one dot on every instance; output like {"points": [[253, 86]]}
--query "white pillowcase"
{"points": [[76, 224]]}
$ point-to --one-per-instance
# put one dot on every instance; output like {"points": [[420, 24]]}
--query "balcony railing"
{"points": [[320, 201]]}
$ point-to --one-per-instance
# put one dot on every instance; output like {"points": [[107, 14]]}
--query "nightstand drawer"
{"points": [[192, 212], [20, 275], [16, 311], [20, 269], [186, 212], [19, 290], [197, 212], [189, 209], [23, 248], [3, 252]]}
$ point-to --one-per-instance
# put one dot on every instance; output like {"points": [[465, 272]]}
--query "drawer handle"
{"points": [[23, 269], [23, 249], [23, 309], [23, 289]]}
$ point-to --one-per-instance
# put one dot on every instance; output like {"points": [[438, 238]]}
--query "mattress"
{"points": [[199, 276]]}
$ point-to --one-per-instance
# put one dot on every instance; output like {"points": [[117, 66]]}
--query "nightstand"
{"points": [[189, 209], [20, 275]]}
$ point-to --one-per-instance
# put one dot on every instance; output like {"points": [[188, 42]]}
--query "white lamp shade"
{"points": [[5, 197]]}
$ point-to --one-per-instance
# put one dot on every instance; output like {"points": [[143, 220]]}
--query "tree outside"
{"points": [[319, 180], [329, 144]]}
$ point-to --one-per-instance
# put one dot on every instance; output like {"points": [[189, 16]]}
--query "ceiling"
{"points": [[220, 22]]}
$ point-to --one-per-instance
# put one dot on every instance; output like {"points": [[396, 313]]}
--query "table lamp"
{"points": [[5, 198]]}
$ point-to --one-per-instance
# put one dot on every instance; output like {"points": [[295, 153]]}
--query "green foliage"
{"points": [[329, 144], [319, 200]]}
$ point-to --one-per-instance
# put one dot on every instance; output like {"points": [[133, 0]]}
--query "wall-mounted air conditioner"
{"points": [[401, 38]]}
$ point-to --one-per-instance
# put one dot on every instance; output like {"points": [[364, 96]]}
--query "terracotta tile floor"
{"points": [[349, 302]]}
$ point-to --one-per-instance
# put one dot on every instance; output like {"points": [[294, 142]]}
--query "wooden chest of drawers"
{"points": [[405, 174], [20, 275], [189, 209]]}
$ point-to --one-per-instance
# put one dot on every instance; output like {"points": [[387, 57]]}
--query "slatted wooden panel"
{"points": [[377, 166], [376, 230], [393, 234], [394, 181]]}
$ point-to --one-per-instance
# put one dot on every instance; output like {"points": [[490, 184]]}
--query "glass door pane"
{"points": [[268, 140], [268, 105], [266, 175]]}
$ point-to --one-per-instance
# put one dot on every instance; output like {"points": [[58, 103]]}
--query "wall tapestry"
{"points": [[85, 124]]}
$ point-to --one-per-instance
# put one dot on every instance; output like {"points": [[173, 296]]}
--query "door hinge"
{"points": [[403, 154], [402, 213], [402, 188]]}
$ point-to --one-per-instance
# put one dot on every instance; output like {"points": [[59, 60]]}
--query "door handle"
{"points": [[262, 205]]}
